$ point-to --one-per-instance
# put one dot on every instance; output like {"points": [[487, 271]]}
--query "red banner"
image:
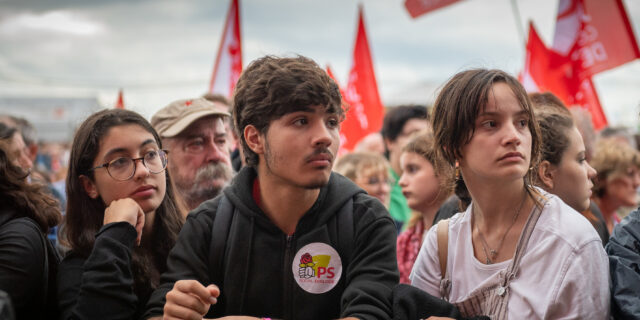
{"points": [[596, 35], [366, 111], [419, 7], [228, 66], [546, 70]]}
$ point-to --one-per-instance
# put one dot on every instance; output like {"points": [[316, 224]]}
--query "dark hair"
{"points": [[30, 200], [397, 117], [84, 215], [6, 132], [271, 87], [460, 101]]}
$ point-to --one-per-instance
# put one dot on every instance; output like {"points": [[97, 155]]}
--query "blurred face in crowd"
{"points": [[571, 178], [199, 160], [117, 147], [395, 147], [376, 183], [20, 152], [621, 187], [419, 183]]}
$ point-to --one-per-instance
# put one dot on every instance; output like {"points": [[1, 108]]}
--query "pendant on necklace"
{"points": [[488, 261], [493, 253]]}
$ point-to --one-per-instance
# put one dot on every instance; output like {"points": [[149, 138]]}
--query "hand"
{"points": [[189, 299], [125, 209]]}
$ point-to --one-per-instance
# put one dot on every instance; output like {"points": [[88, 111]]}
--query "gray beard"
{"points": [[207, 184]]}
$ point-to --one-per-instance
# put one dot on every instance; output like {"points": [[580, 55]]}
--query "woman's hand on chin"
{"points": [[125, 209]]}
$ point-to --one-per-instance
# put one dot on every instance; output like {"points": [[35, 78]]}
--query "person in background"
{"points": [[618, 178], [123, 216], [398, 125], [194, 132], [16, 146], [426, 190], [370, 171], [517, 251], [237, 159], [372, 142], [563, 168], [28, 262]]}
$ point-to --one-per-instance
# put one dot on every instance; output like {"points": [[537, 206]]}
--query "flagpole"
{"points": [[516, 14]]}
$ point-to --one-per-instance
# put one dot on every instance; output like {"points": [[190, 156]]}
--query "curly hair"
{"points": [[271, 87], [612, 159], [30, 200], [84, 215]]}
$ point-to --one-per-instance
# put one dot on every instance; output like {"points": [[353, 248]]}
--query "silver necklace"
{"points": [[489, 253]]}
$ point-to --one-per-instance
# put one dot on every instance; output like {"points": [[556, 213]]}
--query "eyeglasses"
{"points": [[124, 168]]}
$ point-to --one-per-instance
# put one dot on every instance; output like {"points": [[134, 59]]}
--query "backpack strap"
{"points": [[345, 233], [219, 234], [442, 232]]}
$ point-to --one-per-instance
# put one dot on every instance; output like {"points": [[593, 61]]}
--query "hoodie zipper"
{"points": [[287, 304]]}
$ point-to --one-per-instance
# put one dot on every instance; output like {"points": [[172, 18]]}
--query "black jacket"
{"points": [[27, 267], [624, 261], [260, 267], [101, 286]]}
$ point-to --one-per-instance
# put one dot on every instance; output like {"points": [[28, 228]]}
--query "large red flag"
{"points": [[419, 7], [596, 35], [365, 112], [120, 102], [546, 70], [228, 66]]}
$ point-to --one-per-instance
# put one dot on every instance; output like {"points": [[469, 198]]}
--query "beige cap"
{"points": [[172, 119]]}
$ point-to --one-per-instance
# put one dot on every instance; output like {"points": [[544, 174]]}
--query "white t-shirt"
{"points": [[563, 273]]}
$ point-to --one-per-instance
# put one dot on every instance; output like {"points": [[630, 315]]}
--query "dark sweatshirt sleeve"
{"points": [[21, 265], [373, 271], [187, 260], [100, 286], [624, 258]]}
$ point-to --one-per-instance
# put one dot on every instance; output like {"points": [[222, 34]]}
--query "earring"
{"points": [[457, 171]]}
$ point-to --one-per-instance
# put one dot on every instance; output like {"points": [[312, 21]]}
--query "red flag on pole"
{"points": [[417, 8], [546, 70], [120, 102], [366, 111], [228, 65], [596, 35]]}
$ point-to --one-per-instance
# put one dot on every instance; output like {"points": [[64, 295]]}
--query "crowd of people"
{"points": [[493, 203]]}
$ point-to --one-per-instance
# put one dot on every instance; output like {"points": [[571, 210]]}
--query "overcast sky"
{"points": [[162, 50]]}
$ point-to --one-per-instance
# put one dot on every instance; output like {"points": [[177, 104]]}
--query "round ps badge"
{"points": [[317, 267]]}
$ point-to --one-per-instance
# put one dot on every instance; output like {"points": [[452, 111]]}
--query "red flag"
{"points": [[596, 35], [365, 112], [120, 102], [419, 7], [547, 70], [228, 64]]}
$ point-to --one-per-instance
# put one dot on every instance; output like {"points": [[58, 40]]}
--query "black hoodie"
{"points": [[261, 267]]}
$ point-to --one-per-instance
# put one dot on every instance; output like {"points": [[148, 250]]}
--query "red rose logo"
{"points": [[306, 258]]}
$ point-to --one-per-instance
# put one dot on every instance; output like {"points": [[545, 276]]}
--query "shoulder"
{"points": [[627, 232], [367, 209], [22, 230], [564, 224]]}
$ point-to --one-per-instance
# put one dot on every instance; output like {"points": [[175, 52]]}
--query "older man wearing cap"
{"points": [[194, 133]]}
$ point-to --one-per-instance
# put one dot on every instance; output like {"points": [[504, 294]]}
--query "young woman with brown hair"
{"points": [[516, 252], [122, 217], [27, 260]]}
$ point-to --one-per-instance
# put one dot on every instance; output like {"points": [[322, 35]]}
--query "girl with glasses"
{"points": [[122, 218], [370, 171], [516, 252]]}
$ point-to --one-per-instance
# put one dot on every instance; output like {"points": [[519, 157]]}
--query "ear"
{"points": [[89, 187], [254, 139], [547, 173]]}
